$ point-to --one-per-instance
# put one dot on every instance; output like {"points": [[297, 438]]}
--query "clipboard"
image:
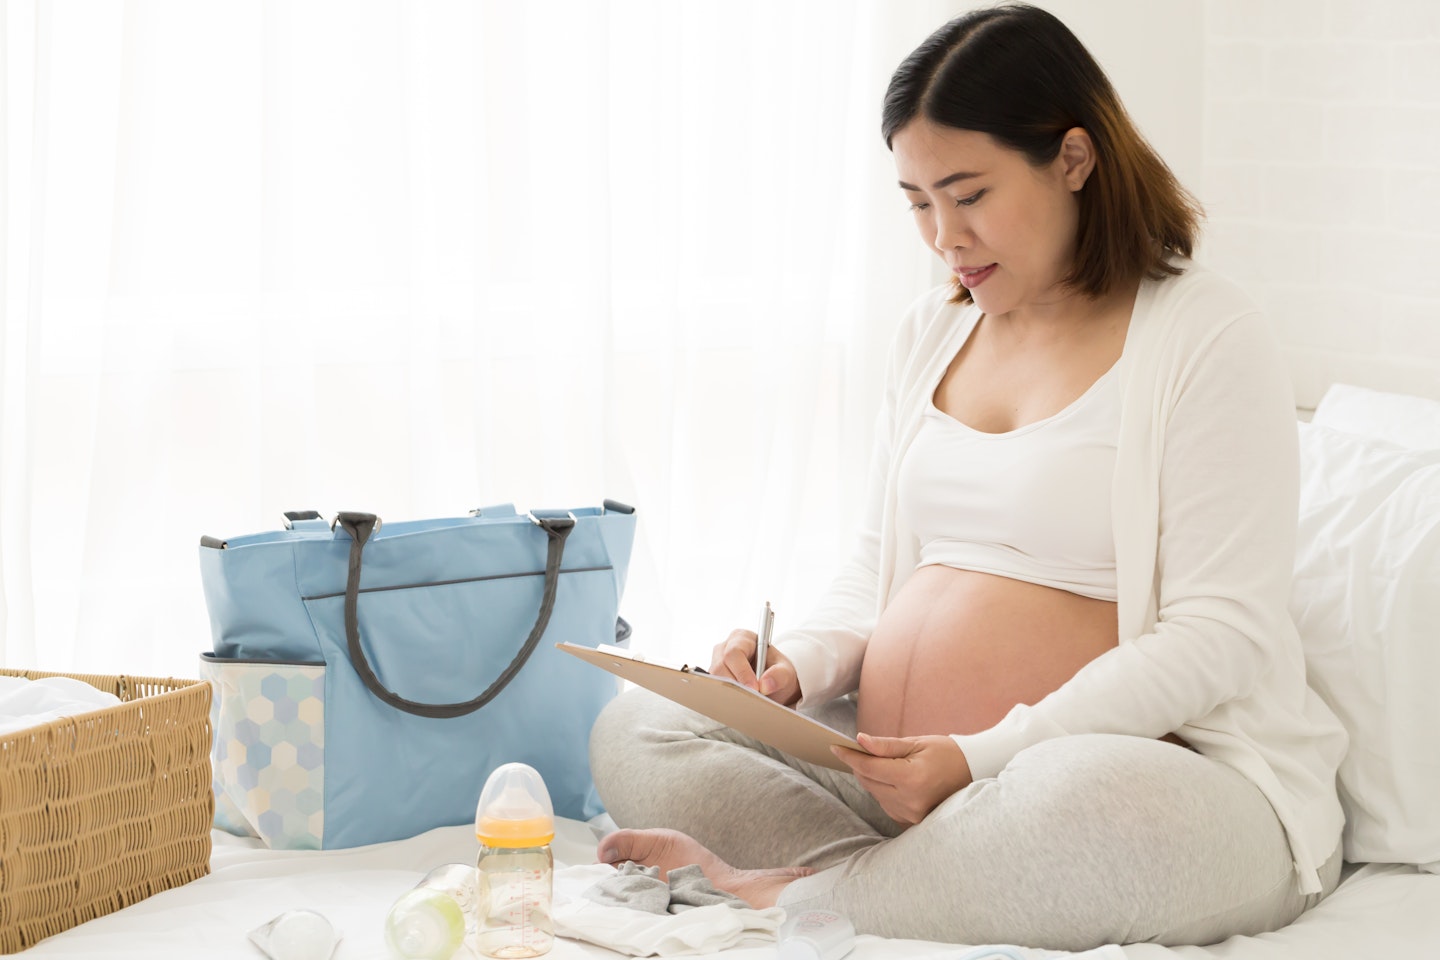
{"points": [[725, 700]]}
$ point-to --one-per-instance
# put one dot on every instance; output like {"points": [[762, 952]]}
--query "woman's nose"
{"points": [[952, 231]]}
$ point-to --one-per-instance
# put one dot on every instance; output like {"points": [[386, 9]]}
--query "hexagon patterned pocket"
{"points": [[269, 754]]}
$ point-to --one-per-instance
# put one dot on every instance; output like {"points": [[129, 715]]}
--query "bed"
{"points": [[1379, 910], [1367, 596]]}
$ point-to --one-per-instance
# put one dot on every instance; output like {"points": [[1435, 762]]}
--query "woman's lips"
{"points": [[972, 277]]}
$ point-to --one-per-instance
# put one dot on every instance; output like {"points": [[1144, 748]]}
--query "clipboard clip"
{"points": [[686, 668]]}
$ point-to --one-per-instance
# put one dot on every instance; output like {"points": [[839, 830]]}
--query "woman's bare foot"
{"points": [[671, 850]]}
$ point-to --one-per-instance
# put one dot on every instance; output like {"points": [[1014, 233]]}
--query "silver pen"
{"points": [[767, 624]]}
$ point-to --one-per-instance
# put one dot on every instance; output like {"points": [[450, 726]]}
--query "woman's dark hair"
{"points": [[1017, 73]]}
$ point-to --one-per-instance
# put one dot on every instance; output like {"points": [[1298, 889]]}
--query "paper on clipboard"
{"points": [[722, 699]]}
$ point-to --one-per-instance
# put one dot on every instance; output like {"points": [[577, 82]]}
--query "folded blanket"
{"points": [[631, 910], [587, 908], [640, 888]]}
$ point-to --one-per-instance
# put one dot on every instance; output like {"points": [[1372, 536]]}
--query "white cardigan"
{"points": [[1205, 505]]}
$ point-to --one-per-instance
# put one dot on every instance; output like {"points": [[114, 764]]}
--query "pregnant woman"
{"points": [[1062, 635]]}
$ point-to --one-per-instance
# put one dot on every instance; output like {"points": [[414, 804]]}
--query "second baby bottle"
{"points": [[515, 823], [430, 921]]}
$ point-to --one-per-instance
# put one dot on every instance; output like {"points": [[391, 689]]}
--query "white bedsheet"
{"points": [[1379, 910]]}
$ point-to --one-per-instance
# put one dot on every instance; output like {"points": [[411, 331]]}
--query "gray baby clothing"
{"points": [[640, 888]]}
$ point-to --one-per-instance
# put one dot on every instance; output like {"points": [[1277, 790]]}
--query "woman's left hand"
{"points": [[909, 776]]}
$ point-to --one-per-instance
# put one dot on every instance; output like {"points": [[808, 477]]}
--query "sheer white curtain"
{"points": [[413, 258]]}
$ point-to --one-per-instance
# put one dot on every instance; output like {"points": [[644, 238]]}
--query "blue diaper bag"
{"points": [[369, 676]]}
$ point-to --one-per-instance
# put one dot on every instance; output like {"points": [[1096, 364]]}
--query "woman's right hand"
{"points": [[735, 658]]}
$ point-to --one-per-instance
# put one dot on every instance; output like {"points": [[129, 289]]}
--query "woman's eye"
{"points": [[915, 207], [970, 200]]}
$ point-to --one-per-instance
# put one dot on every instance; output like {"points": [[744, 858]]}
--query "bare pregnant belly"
{"points": [[956, 650]]}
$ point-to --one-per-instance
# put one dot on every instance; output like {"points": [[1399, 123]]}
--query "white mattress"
{"points": [[1379, 910]]}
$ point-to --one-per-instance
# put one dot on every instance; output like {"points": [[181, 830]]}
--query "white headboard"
{"points": [[1313, 371]]}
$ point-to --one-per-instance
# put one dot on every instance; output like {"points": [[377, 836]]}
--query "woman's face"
{"points": [[1005, 228]]}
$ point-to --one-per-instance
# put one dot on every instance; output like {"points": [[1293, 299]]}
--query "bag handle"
{"points": [[360, 526]]}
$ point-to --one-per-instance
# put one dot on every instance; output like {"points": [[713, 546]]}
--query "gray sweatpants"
{"points": [[1079, 841]]}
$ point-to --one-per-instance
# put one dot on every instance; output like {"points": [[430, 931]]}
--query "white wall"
{"points": [[1321, 173]]}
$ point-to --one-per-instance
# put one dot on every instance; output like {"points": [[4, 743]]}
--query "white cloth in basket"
{"points": [[28, 703]]}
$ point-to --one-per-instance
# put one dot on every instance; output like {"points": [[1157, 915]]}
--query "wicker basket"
{"points": [[103, 809]]}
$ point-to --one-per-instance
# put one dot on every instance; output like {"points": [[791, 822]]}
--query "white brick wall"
{"points": [[1320, 171]]}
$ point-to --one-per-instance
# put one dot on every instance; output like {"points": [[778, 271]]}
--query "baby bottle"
{"points": [[514, 823], [429, 921]]}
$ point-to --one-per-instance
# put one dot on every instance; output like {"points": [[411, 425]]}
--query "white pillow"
{"points": [[1412, 422], [1366, 599]]}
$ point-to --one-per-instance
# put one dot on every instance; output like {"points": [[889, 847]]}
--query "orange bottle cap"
{"points": [[514, 809]]}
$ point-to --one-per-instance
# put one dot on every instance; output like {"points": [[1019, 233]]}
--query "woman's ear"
{"points": [[1077, 157]]}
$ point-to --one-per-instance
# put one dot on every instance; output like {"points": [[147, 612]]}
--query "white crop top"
{"points": [[1032, 504]]}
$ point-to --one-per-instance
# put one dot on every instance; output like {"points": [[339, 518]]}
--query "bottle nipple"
{"points": [[514, 809]]}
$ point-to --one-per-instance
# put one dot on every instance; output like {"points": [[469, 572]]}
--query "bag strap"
{"points": [[360, 526]]}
